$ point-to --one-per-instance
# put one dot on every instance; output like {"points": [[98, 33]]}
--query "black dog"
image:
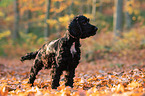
{"points": [[62, 54]]}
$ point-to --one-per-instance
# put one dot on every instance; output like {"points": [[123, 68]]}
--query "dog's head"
{"points": [[81, 28]]}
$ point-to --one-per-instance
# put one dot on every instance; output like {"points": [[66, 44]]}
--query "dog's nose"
{"points": [[96, 28]]}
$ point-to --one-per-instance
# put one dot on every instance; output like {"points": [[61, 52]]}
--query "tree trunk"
{"points": [[118, 17], [57, 5], [101, 6], [128, 20], [94, 8], [70, 9], [88, 7], [15, 33], [47, 29], [81, 7], [128, 16], [29, 16]]}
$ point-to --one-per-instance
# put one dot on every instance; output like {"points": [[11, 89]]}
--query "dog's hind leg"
{"points": [[34, 70]]}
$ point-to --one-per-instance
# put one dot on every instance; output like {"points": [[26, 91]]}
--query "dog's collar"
{"points": [[72, 36]]}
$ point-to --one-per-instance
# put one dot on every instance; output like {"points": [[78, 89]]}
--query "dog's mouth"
{"points": [[94, 31]]}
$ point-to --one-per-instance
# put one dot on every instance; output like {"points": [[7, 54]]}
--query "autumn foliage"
{"points": [[96, 78], [109, 65]]}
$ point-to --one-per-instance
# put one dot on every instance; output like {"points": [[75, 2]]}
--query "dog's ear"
{"points": [[74, 27]]}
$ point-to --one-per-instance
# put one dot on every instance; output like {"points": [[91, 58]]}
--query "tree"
{"points": [[118, 17], [57, 5], [94, 8], [47, 29], [101, 6], [29, 16], [70, 8], [88, 6], [81, 7], [128, 17], [15, 34]]}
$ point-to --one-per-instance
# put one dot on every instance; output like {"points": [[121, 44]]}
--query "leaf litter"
{"points": [[91, 79]]}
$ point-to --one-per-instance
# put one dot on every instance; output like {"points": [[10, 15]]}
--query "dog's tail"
{"points": [[29, 56]]}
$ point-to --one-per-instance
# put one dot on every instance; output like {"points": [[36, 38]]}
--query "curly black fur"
{"points": [[62, 54]]}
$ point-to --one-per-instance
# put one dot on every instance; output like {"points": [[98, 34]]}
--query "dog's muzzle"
{"points": [[94, 30]]}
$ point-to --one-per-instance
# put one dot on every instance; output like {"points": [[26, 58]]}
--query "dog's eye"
{"points": [[84, 23]]}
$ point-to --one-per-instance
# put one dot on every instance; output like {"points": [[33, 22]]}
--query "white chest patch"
{"points": [[48, 47], [73, 50]]}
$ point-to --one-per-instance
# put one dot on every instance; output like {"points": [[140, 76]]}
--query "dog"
{"points": [[62, 54]]}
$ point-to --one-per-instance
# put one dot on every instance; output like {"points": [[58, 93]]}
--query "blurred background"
{"points": [[25, 25]]}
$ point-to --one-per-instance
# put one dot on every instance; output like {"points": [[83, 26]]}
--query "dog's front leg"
{"points": [[69, 77], [56, 73]]}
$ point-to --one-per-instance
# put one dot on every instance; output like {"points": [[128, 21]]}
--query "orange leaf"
{"points": [[119, 88]]}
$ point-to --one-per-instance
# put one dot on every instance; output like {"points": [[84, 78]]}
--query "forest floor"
{"points": [[101, 77]]}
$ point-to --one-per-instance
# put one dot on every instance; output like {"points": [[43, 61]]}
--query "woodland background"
{"points": [[113, 61]]}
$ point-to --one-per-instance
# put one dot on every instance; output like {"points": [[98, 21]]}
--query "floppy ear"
{"points": [[74, 28]]}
